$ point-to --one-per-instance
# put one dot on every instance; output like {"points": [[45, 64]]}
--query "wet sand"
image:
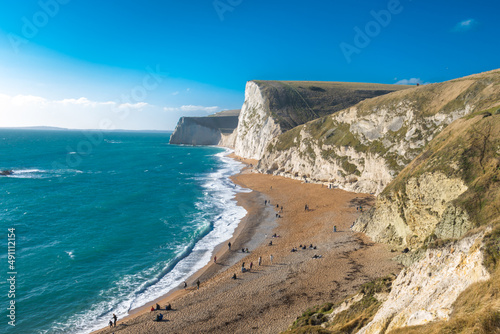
{"points": [[268, 298]]}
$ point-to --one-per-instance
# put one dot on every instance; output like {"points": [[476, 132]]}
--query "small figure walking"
{"points": [[334, 228], [271, 257], [114, 319], [198, 284], [229, 245], [260, 260]]}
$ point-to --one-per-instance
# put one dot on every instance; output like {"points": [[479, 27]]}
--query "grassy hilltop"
{"points": [[296, 102]]}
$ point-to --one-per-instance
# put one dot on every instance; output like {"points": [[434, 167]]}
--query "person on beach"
{"points": [[110, 324], [229, 245], [168, 307], [152, 309], [114, 319], [198, 284], [281, 209], [265, 202], [251, 265], [215, 259], [271, 257], [185, 285], [158, 306], [260, 260]]}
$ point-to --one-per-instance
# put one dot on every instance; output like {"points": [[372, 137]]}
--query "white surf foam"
{"points": [[136, 290]]}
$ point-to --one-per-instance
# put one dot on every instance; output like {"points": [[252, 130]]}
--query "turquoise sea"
{"points": [[106, 222]]}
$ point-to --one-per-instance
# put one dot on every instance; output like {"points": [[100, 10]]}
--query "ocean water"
{"points": [[106, 222]]}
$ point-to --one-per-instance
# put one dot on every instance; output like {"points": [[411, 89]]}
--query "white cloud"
{"points": [[465, 25], [136, 106], [175, 93], [411, 81], [29, 110], [27, 100], [190, 108], [85, 102]]}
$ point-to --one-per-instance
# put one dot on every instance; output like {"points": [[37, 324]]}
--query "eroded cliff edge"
{"points": [[274, 107]]}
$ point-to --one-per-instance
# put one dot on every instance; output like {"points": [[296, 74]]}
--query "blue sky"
{"points": [[142, 65]]}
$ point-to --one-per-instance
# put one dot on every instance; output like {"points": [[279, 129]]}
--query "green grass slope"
{"points": [[296, 102]]}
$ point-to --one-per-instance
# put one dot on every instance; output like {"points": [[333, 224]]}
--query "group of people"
{"points": [[112, 322], [243, 269], [157, 307], [294, 249]]}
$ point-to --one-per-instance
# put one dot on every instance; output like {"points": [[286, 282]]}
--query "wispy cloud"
{"points": [[38, 101], [189, 108], [411, 81], [465, 25]]}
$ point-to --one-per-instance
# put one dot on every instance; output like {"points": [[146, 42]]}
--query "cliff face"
{"points": [[451, 188], [205, 131], [444, 209], [426, 290], [273, 107], [406, 218], [365, 146], [446, 191]]}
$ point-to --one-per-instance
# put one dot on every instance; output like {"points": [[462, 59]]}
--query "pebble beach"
{"points": [[269, 297]]}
